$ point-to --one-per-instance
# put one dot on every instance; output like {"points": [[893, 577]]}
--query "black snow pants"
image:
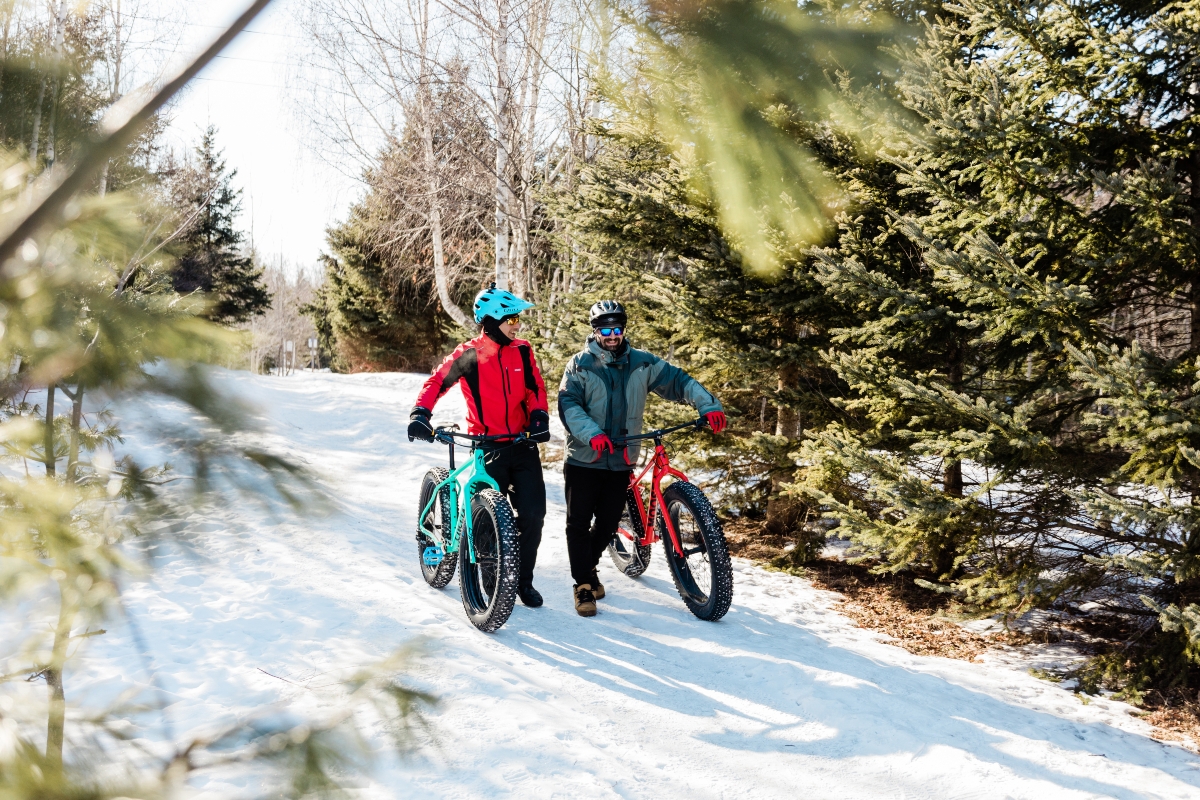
{"points": [[518, 470], [592, 494]]}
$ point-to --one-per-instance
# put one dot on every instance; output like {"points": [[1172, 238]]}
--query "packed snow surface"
{"points": [[784, 697]]}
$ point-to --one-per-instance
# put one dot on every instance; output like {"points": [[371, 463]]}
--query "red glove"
{"points": [[601, 443], [716, 420]]}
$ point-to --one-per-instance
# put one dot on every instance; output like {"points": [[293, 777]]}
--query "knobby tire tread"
{"points": [[721, 595], [437, 577], [626, 564], [505, 596]]}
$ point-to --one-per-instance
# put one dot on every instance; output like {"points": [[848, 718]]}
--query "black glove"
{"points": [[418, 425], [539, 426]]}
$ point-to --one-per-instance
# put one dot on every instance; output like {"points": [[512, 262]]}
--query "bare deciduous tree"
{"points": [[371, 71], [290, 289]]}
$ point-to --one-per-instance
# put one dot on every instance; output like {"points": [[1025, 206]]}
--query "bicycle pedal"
{"points": [[432, 556]]}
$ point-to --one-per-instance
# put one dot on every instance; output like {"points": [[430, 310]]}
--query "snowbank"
{"points": [[782, 698]]}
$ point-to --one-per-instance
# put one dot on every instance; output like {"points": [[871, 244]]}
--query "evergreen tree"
{"points": [[368, 320], [211, 259], [1024, 428], [642, 233], [645, 224], [1007, 404]]}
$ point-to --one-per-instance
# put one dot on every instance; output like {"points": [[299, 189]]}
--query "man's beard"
{"points": [[612, 348]]}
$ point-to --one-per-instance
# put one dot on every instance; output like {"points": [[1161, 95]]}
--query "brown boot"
{"points": [[585, 601], [597, 586]]}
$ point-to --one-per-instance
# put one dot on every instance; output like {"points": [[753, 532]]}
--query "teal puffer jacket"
{"points": [[603, 392]]}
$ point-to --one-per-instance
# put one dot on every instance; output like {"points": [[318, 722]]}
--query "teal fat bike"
{"points": [[466, 521]]}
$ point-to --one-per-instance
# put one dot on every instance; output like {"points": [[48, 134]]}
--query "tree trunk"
{"points": [[503, 141], [944, 544], [115, 90], [786, 419], [944, 547], [8, 15], [435, 228], [522, 266], [57, 716], [1194, 343], [37, 127], [426, 113], [50, 150], [952, 477], [1194, 289], [783, 513], [76, 421], [59, 22], [49, 440]]}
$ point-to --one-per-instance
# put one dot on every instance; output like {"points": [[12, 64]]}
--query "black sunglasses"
{"points": [[610, 331]]}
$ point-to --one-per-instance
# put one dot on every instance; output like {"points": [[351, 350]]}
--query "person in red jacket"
{"points": [[505, 395]]}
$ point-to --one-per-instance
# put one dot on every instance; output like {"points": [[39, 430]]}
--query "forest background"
{"points": [[939, 261], [939, 264]]}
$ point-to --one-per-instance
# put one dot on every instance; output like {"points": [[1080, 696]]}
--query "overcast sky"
{"points": [[289, 194]]}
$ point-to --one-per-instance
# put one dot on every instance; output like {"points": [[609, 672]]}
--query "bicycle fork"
{"points": [[658, 506]]}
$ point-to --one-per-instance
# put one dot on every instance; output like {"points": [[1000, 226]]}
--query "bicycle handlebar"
{"points": [[695, 424], [449, 435]]}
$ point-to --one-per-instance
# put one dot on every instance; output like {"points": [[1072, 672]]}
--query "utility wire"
{"points": [[203, 25]]}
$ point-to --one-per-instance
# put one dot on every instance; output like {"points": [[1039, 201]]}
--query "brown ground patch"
{"points": [[916, 618], [747, 538], [922, 621], [1178, 722]]}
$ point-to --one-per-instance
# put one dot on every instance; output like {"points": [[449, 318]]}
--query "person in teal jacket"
{"points": [[602, 397]]}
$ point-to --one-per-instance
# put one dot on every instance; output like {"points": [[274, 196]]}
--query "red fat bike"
{"points": [[683, 519]]}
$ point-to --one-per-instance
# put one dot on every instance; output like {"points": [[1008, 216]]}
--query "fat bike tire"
{"points": [[627, 555], [438, 517], [704, 576], [489, 586]]}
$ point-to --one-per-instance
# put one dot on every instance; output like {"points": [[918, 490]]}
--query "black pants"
{"points": [[518, 470], [595, 500]]}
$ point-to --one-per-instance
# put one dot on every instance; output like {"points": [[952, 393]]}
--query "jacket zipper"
{"points": [[504, 386]]}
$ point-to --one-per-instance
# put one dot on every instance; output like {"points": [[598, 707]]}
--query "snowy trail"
{"points": [[782, 698]]}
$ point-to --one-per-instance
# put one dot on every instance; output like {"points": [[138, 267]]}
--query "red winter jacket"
{"points": [[502, 385]]}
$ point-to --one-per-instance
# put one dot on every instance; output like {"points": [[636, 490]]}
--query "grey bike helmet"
{"points": [[608, 312]]}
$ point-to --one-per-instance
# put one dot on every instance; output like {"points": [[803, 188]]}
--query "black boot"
{"points": [[529, 595]]}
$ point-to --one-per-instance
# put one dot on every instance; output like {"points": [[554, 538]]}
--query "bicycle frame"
{"points": [[659, 467], [477, 477]]}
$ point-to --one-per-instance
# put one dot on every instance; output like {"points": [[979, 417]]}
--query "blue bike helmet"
{"points": [[498, 304]]}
